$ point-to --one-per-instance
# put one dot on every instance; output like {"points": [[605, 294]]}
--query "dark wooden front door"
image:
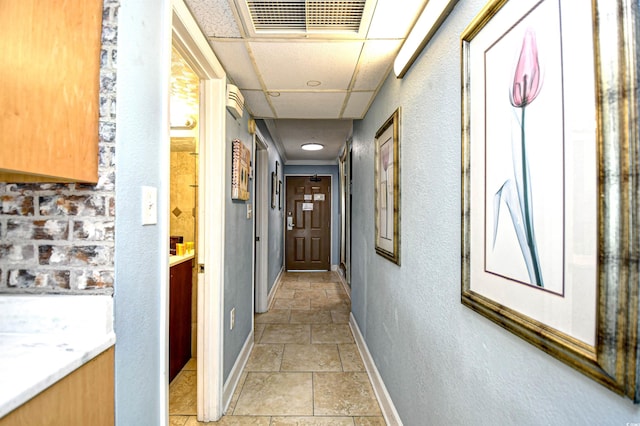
{"points": [[308, 223]]}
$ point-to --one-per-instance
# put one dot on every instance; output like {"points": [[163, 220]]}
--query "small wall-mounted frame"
{"points": [[240, 171], [571, 287], [274, 189], [280, 195], [387, 189]]}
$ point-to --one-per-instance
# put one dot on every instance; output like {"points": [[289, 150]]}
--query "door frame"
{"points": [[261, 221], [331, 224], [187, 38]]}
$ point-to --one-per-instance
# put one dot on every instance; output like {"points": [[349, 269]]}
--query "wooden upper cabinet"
{"points": [[49, 84]]}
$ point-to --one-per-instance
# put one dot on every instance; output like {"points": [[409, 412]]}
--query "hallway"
{"points": [[304, 369]]}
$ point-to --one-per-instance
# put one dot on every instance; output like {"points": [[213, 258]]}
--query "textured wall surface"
{"points": [[238, 251], [60, 237], [141, 296], [442, 363]]}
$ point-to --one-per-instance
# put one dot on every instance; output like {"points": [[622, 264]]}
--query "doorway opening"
{"points": [[190, 43], [261, 228], [183, 208]]}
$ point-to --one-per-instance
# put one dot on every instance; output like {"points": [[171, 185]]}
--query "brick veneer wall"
{"points": [[59, 238]]}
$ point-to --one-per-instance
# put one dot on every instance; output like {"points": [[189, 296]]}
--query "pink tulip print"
{"points": [[517, 193]]}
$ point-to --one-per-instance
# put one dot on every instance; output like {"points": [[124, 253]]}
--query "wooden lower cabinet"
{"points": [[179, 316], [84, 397]]}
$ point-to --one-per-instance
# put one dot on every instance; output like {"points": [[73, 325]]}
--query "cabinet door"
{"points": [[50, 75], [84, 397], [179, 317]]}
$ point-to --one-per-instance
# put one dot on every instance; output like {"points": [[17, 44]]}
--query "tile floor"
{"points": [[304, 369]]}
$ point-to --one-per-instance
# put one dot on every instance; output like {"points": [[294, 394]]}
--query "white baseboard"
{"points": [[236, 372], [344, 283], [389, 411], [274, 289]]}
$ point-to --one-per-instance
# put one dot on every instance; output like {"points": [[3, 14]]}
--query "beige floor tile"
{"points": [[287, 333], [233, 421], [192, 364], [279, 316], [311, 293], [330, 304], [296, 303], [326, 286], [177, 420], [369, 421], [311, 358], [236, 393], [182, 394], [276, 394], [284, 293], [337, 294], [344, 307], [340, 316], [317, 277], [294, 285], [344, 394], [310, 317], [350, 357], [265, 358], [290, 276], [257, 332], [312, 421], [331, 333]]}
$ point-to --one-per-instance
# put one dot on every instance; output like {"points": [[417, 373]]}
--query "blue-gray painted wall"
{"points": [[442, 363], [238, 250], [335, 201], [141, 258]]}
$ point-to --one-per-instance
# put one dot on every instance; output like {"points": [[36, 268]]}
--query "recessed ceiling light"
{"points": [[312, 146], [273, 94], [313, 83]]}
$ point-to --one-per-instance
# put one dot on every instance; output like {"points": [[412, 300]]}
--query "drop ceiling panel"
{"points": [[358, 104], [215, 18], [401, 12], [330, 133], [375, 63], [236, 61], [257, 103], [289, 65], [315, 105]]}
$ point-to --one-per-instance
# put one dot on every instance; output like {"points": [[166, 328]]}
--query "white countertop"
{"points": [[174, 260], [45, 337]]}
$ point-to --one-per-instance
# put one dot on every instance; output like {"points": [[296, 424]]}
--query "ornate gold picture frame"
{"points": [[583, 309], [387, 189]]}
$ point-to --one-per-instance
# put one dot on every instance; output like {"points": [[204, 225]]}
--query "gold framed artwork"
{"points": [[240, 171], [387, 189], [549, 183]]}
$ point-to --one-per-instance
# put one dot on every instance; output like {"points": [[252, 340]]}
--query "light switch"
{"points": [[249, 211], [149, 205]]}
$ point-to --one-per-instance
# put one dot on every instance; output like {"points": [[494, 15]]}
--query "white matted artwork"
{"points": [[534, 211], [387, 189]]}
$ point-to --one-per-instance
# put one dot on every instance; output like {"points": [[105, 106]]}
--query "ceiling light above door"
{"points": [[312, 146]]}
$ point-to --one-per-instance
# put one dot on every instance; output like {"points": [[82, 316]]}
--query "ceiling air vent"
{"points": [[310, 16]]}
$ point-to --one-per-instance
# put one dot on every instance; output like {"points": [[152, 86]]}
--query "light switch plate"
{"points": [[149, 205], [249, 211]]}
